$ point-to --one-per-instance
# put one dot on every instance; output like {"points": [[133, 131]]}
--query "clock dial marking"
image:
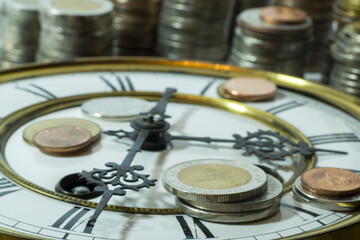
{"points": [[334, 138], [120, 82], [197, 223], [286, 106], [7, 187], [41, 92], [206, 88], [71, 218], [299, 209]]}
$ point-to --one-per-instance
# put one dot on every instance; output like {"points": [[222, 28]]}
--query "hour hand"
{"points": [[264, 144]]}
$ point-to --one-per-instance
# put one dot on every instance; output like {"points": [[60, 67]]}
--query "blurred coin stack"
{"points": [[345, 74], [20, 32], [223, 190], [135, 23], [195, 29], [344, 12], [70, 30], [272, 38], [321, 14]]}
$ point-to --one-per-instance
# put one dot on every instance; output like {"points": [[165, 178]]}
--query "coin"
{"points": [[248, 88], [31, 130], [119, 108], [62, 139], [331, 182], [346, 203], [227, 217], [282, 15], [215, 180], [270, 197]]}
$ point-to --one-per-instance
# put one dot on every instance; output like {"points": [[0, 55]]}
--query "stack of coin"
{"points": [[195, 29], [20, 32], [247, 89], [272, 38], [321, 14], [135, 24], [329, 188], [63, 135], [223, 190], [345, 74], [344, 12], [71, 30]]}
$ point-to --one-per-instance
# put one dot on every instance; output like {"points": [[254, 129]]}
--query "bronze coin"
{"points": [[282, 15], [334, 182], [249, 88], [62, 139]]}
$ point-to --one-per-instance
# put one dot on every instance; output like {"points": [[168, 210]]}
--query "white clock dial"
{"points": [[28, 212]]}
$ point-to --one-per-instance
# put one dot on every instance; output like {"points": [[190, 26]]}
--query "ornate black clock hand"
{"points": [[119, 176], [264, 144]]}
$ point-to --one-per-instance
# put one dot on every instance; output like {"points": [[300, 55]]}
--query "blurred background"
{"points": [[318, 40]]}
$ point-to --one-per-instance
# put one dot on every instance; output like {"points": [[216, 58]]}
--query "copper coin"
{"points": [[331, 182], [249, 88], [62, 139], [282, 15]]}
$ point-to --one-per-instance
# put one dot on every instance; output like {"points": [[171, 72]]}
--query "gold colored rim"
{"points": [[12, 122], [345, 102]]}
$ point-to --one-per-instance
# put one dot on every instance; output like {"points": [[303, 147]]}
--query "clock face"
{"points": [[31, 209]]}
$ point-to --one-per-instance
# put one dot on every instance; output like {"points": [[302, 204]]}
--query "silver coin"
{"points": [[116, 108], [215, 180], [270, 197], [333, 204], [227, 217]]}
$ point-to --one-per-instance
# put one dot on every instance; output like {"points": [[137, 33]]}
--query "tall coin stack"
{"points": [[70, 30], [223, 190], [321, 15], [345, 74], [195, 29], [272, 38], [20, 32], [135, 23], [344, 12]]}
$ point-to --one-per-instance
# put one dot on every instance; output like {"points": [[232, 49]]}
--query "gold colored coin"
{"points": [[248, 89], [331, 182], [214, 176], [92, 127], [282, 15], [62, 139]]}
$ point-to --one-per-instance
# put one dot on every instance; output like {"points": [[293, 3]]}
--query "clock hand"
{"points": [[119, 176], [264, 144], [159, 109]]}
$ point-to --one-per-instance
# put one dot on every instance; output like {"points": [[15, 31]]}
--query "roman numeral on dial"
{"points": [[38, 91], [198, 225], [120, 82], [285, 107], [333, 138], [7, 187], [72, 218]]}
